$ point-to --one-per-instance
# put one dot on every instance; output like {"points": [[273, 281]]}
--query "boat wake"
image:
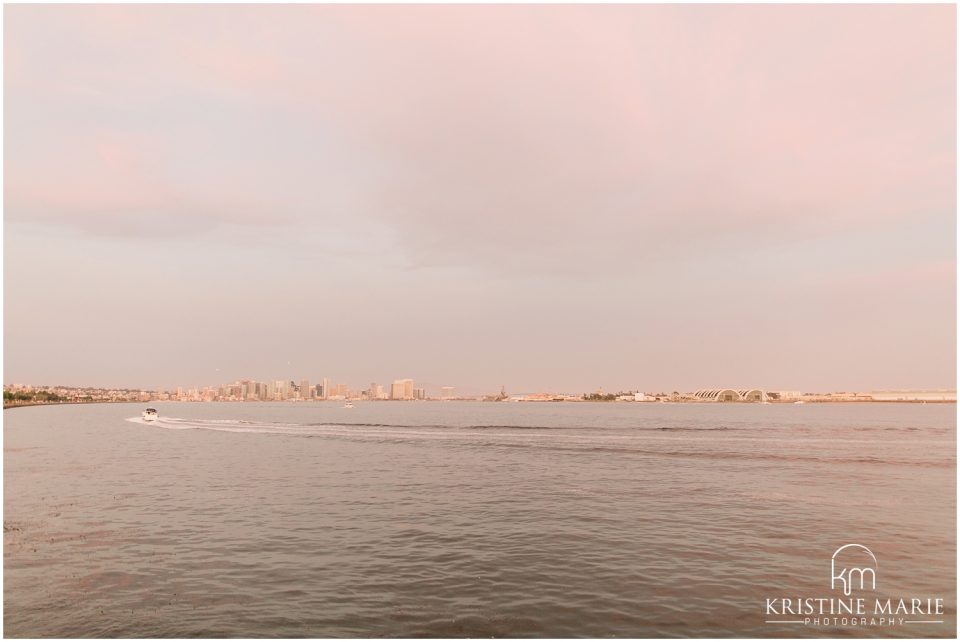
{"points": [[718, 442]]}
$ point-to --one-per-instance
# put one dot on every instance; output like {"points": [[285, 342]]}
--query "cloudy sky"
{"points": [[542, 197]]}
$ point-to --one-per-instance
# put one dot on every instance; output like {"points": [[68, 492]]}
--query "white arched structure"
{"points": [[718, 394], [729, 394]]}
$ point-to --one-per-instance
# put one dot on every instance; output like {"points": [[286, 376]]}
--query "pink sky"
{"points": [[547, 197]]}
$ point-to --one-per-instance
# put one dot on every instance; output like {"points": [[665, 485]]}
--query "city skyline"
{"points": [[247, 389], [625, 196]]}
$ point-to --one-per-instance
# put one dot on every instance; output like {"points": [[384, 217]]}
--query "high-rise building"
{"points": [[342, 390], [419, 393], [305, 392], [446, 392], [326, 388], [375, 391], [402, 389]]}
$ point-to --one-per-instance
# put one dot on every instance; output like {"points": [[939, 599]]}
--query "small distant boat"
{"points": [[801, 401], [150, 414], [349, 404]]}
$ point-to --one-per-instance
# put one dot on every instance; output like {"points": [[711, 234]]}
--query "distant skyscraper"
{"points": [[446, 392], [402, 389], [419, 393], [326, 388], [305, 392]]}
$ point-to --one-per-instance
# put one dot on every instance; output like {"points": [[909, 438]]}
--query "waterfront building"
{"points": [[786, 394], [446, 392], [402, 389], [717, 394], [305, 393]]}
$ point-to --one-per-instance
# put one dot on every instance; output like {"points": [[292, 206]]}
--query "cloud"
{"points": [[518, 171], [518, 138]]}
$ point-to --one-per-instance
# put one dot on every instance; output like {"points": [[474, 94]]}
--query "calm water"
{"points": [[467, 519]]}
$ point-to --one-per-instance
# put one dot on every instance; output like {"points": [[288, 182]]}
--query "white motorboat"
{"points": [[150, 414]]}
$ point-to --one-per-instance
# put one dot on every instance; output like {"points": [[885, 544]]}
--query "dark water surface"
{"points": [[468, 519]]}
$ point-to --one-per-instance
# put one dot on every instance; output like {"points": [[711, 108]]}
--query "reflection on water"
{"points": [[466, 519]]}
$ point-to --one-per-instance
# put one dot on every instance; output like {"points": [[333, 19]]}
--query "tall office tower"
{"points": [[402, 389], [305, 392], [270, 391], [343, 390], [446, 392], [326, 388], [375, 391], [280, 388], [419, 393], [318, 391]]}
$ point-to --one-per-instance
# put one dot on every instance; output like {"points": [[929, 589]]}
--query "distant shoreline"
{"points": [[8, 406]]}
